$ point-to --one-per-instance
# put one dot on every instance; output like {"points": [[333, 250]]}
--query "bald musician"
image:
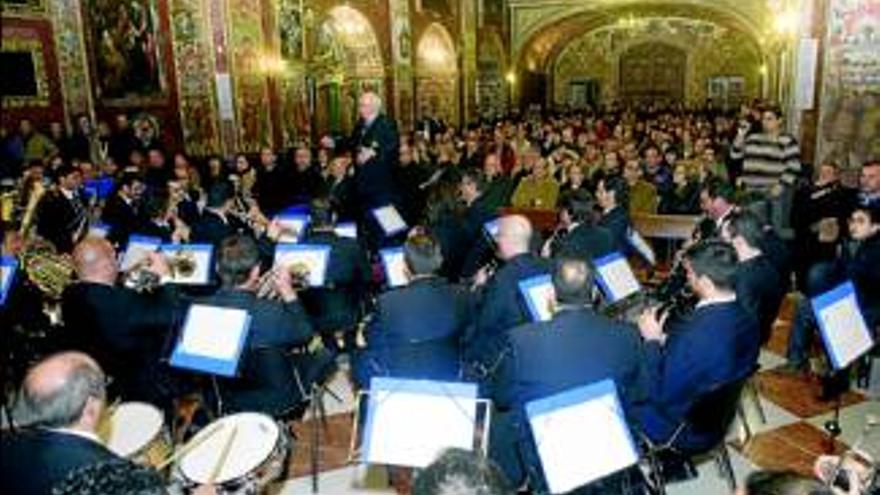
{"points": [[501, 305], [59, 405], [123, 329]]}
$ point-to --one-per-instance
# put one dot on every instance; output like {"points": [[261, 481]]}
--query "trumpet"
{"points": [[299, 275], [139, 277]]}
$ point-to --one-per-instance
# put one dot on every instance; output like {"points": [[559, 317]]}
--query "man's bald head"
{"points": [[514, 236], [95, 261], [55, 391], [573, 281]]}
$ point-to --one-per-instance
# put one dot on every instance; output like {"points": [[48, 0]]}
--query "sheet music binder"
{"points": [[641, 246], [310, 254], [99, 229], [581, 435], [438, 415], [8, 268], [297, 222], [211, 365], [347, 229], [204, 259], [540, 296], [491, 227], [844, 332], [394, 265], [615, 277], [138, 246], [389, 220]]}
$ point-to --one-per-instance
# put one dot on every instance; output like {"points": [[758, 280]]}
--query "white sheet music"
{"points": [[315, 259], [389, 219], [846, 334], [136, 252], [619, 278], [641, 246], [348, 230], [5, 274], [412, 429], [291, 228], [582, 443], [543, 300], [213, 332], [98, 230], [395, 269]]}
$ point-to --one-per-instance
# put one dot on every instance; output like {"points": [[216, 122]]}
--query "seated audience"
{"points": [[642, 194], [537, 190]]}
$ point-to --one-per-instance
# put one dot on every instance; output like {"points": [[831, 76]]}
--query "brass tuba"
{"points": [[46, 269]]}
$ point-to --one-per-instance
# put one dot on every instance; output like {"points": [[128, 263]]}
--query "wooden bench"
{"points": [[670, 227]]}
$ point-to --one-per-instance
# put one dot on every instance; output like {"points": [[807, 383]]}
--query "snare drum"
{"points": [[257, 455], [136, 431]]}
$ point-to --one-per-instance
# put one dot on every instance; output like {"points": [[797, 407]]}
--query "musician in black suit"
{"points": [[62, 214], [478, 248], [501, 305], [272, 188], [612, 195], [216, 223], [335, 308], [416, 329], [339, 185], [686, 357], [759, 285], [577, 347], [578, 235], [266, 381], [305, 178], [124, 330], [58, 409], [717, 201], [122, 210]]}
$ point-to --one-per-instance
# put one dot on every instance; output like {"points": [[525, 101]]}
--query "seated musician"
{"points": [[266, 381], [501, 305], [759, 285], [859, 262], [61, 213], [123, 211], [335, 308], [578, 235], [58, 408], [123, 329], [686, 357], [479, 247], [612, 196], [717, 201], [577, 347], [415, 330], [216, 223]]}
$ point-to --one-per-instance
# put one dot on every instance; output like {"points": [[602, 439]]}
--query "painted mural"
{"points": [[195, 75], [436, 75], [72, 62], [249, 79], [124, 40], [401, 49], [850, 126]]}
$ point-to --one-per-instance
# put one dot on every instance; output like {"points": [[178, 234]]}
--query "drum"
{"points": [[240, 454], [136, 431]]}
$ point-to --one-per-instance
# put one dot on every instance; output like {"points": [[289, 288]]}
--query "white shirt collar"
{"points": [[80, 433], [716, 300]]}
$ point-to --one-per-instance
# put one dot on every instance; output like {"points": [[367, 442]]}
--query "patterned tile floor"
{"points": [[792, 437]]}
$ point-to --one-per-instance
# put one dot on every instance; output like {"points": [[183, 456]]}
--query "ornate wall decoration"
{"points": [[27, 42], [401, 49], [849, 131], [194, 66], [72, 61], [24, 7], [127, 56], [436, 75], [468, 15], [712, 51], [247, 42], [491, 93]]}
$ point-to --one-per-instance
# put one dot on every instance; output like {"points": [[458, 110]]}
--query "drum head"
{"points": [[133, 425], [255, 438]]}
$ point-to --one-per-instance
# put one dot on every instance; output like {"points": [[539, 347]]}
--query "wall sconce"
{"points": [[511, 78], [786, 22], [762, 69]]}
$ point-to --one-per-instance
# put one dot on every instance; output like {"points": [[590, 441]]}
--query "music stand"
{"points": [[581, 435], [8, 268], [293, 226], [315, 256], [408, 423], [137, 249], [845, 337], [540, 296], [99, 230], [211, 341], [347, 229], [615, 277], [394, 265], [389, 220]]}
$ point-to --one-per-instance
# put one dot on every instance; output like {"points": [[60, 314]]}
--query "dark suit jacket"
{"points": [[759, 289], [716, 344], [273, 189], [373, 180], [33, 461], [479, 247], [210, 228], [415, 332], [586, 242], [541, 359], [126, 332], [58, 220], [502, 306], [265, 381], [122, 219], [337, 306], [617, 221]]}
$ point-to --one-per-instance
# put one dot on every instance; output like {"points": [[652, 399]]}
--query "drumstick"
{"points": [[227, 448], [188, 447]]}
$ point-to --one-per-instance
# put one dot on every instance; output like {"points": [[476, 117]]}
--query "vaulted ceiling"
{"points": [[540, 29]]}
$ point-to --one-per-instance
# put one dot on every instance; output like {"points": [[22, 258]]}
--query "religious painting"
{"points": [[291, 29], [23, 60], [124, 40], [23, 7]]}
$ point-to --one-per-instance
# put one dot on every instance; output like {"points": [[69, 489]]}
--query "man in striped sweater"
{"points": [[771, 165]]}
